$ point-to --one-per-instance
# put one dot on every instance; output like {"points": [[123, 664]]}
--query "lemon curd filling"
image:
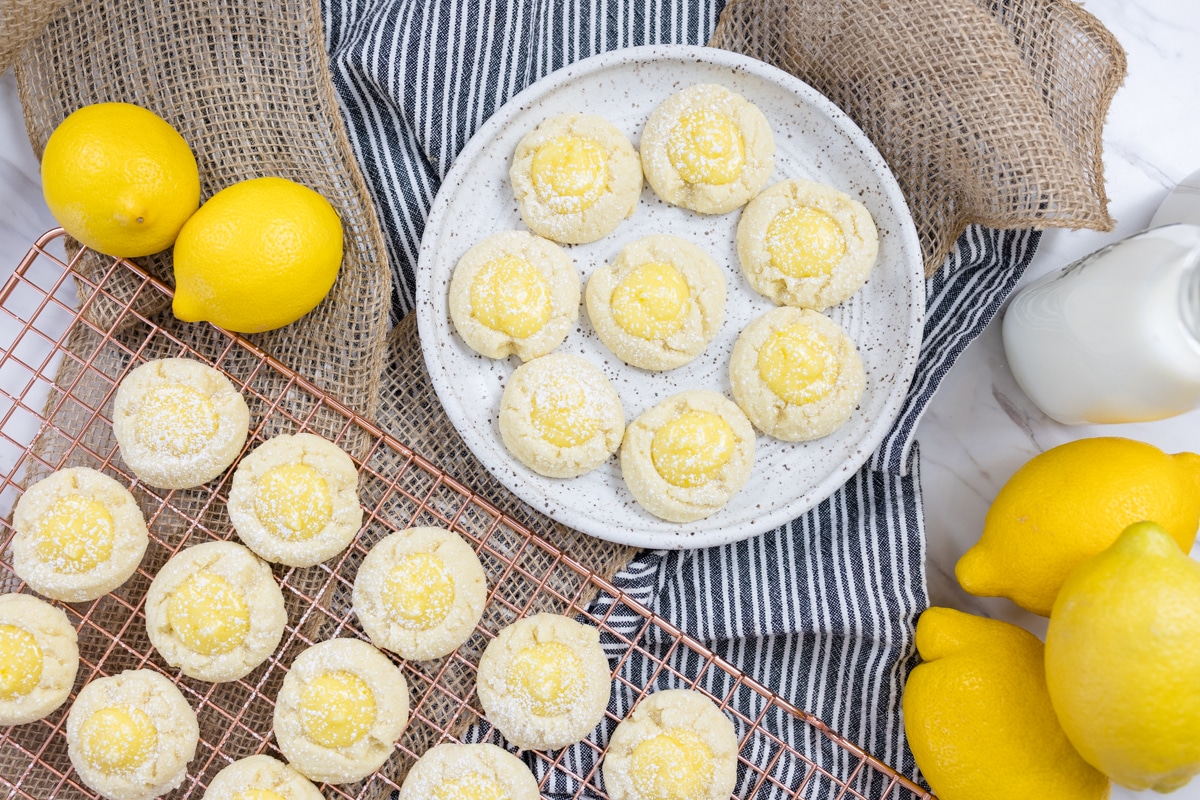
{"points": [[176, 420], [420, 590], [512, 296], [561, 412], [548, 675], [118, 738], [570, 173], [293, 502], [258, 794], [798, 365], [209, 614], [473, 786], [337, 709], [75, 535], [689, 450], [674, 765], [805, 243], [20, 662], [706, 146], [651, 303]]}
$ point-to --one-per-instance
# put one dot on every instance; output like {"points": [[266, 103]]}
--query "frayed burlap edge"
{"points": [[987, 112]]}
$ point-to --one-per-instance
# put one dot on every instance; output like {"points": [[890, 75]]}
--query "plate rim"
{"points": [[425, 303]]}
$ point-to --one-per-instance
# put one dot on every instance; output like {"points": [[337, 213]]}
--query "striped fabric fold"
{"points": [[821, 610]]}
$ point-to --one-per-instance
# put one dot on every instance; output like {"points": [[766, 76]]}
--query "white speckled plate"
{"points": [[813, 140]]}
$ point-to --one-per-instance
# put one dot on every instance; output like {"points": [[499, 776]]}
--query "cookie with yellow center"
{"points": [[659, 304], [38, 658], [544, 681], [575, 177], [179, 423], [131, 736], [469, 772], [294, 500], [676, 745], [340, 710], [79, 534], [260, 778], [686, 457], [420, 592], [514, 293], [215, 612], [708, 149], [796, 374], [560, 416], [808, 245]]}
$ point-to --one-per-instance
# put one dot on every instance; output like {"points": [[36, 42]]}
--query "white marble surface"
{"points": [[980, 427]]}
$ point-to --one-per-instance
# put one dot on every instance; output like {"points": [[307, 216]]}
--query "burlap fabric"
{"points": [[987, 111], [20, 22]]}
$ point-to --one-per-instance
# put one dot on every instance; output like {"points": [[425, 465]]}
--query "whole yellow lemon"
{"points": [[120, 179], [257, 256], [1123, 660], [978, 717], [1068, 504]]}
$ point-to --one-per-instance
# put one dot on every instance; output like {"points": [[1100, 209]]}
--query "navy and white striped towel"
{"points": [[821, 610]]}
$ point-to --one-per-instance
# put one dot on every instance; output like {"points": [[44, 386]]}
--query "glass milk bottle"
{"points": [[1114, 337]]}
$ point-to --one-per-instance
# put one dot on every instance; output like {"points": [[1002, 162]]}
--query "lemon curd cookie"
{"points": [[804, 244], [544, 681], [796, 374], [659, 304], [38, 658], [676, 744], [469, 772], [575, 178], [340, 710], [215, 612], [79, 534], [686, 457], [420, 592], [131, 736], [560, 416], [179, 423], [294, 500], [514, 293], [708, 149], [260, 778]]}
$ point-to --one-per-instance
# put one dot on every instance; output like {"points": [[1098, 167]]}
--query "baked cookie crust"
{"points": [[708, 149], [822, 400], [685, 503], [179, 423], [233, 579], [294, 500], [544, 681], [38, 644], [625, 281], [420, 592], [359, 678], [675, 743], [560, 416], [598, 167], [823, 279], [516, 274], [483, 768], [261, 773], [160, 759], [79, 535]]}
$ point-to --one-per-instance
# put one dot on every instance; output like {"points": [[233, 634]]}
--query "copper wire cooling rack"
{"points": [[59, 367]]}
